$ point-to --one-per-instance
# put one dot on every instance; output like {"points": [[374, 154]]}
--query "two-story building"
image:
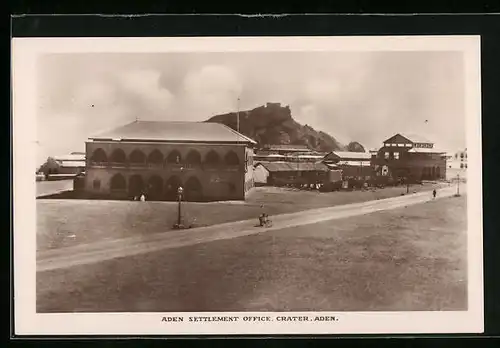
{"points": [[209, 160], [410, 157]]}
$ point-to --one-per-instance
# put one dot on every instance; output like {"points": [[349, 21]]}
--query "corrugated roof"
{"points": [[287, 147], [354, 163], [425, 150], [166, 131], [349, 154], [416, 138], [71, 157], [289, 167], [71, 164]]}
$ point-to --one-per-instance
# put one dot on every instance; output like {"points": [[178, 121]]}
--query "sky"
{"points": [[353, 96]]}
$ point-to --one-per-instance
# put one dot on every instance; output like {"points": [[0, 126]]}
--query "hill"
{"points": [[273, 124]]}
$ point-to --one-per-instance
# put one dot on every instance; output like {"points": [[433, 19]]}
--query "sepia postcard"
{"points": [[244, 185]]}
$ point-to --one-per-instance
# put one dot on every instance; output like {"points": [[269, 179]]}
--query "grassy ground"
{"points": [[62, 223], [412, 258]]}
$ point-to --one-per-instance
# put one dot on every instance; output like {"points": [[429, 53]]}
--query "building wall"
{"points": [[358, 172], [249, 168], [419, 166], [220, 181], [260, 175]]}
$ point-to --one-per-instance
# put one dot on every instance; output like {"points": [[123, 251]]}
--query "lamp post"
{"points": [[179, 196]]}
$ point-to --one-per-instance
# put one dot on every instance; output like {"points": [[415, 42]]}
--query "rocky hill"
{"points": [[354, 146], [273, 124]]}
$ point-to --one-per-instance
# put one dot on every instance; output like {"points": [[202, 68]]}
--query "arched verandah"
{"points": [[231, 159], [154, 188], [118, 183], [171, 187], [118, 156], [137, 157], [136, 185], [155, 157], [193, 189], [99, 156]]}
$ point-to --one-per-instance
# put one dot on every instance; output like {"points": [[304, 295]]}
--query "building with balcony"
{"points": [[409, 156], [209, 160]]}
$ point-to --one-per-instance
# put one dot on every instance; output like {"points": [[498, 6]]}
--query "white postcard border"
{"points": [[28, 322]]}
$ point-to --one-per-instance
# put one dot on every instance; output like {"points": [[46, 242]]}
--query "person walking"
{"points": [[434, 193]]}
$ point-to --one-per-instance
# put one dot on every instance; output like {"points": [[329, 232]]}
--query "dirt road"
{"points": [[97, 252]]}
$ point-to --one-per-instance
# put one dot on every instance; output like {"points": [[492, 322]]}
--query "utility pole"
{"points": [[238, 115], [458, 184]]}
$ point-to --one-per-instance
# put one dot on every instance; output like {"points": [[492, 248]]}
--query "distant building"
{"points": [[65, 165], [287, 153], [282, 150], [354, 165], [457, 160], [410, 156], [209, 160], [287, 173]]}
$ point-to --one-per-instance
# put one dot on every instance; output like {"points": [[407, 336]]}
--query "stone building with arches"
{"points": [[209, 160]]}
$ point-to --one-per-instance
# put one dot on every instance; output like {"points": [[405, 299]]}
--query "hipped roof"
{"points": [[167, 131]]}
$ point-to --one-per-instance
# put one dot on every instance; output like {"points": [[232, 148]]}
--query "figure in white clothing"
{"points": [[143, 198]]}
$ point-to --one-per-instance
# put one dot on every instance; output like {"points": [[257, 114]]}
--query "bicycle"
{"points": [[265, 222]]}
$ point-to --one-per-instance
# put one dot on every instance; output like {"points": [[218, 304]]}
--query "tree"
{"points": [[354, 146]]}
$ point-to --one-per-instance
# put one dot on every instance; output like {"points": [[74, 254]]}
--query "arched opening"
{"points": [[212, 158], [438, 172], [433, 172], [154, 188], [118, 183], [174, 157], [155, 157], [137, 157], [193, 189], [136, 185], [171, 186], [193, 157], [232, 159], [118, 156], [99, 156]]}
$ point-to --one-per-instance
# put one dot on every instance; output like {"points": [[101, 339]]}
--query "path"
{"points": [[107, 250]]}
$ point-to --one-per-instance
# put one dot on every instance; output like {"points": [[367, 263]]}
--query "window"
{"points": [[96, 184], [396, 155], [401, 145], [386, 155], [461, 165], [465, 165]]}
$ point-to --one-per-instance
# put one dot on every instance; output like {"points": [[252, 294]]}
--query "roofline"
{"points": [[146, 141], [238, 133], [246, 139]]}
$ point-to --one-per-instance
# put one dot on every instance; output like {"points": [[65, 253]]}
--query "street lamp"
{"points": [[180, 190]]}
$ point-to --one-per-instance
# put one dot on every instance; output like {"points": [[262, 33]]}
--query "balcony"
{"points": [[174, 167]]}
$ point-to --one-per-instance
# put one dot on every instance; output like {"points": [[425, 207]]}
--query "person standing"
{"points": [[434, 193]]}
